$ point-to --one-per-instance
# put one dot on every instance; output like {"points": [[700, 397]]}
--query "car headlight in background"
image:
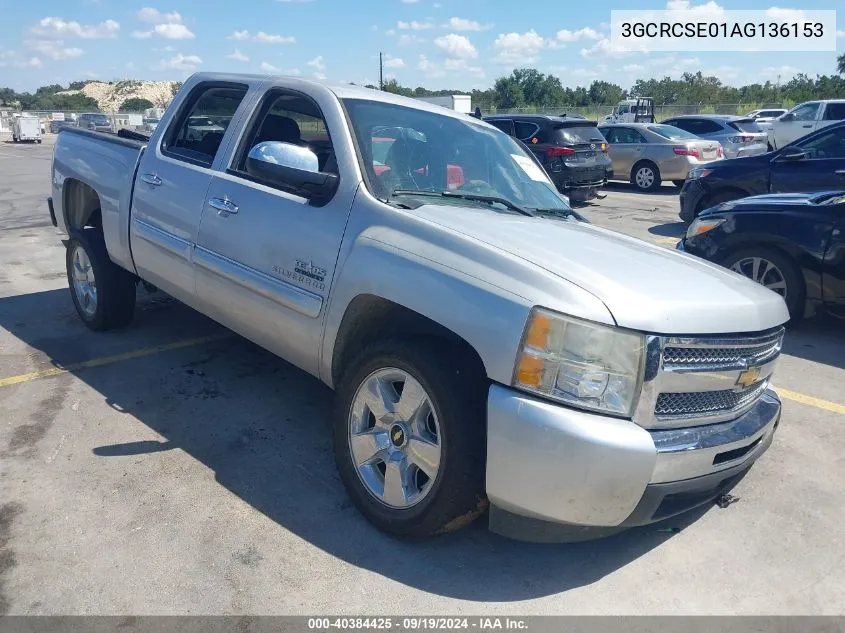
{"points": [[703, 225], [583, 364], [698, 172]]}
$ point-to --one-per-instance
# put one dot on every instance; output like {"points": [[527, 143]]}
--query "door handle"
{"points": [[224, 207], [807, 125], [151, 179], [840, 172]]}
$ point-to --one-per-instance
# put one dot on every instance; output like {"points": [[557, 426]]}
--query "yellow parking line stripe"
{"points": [[665, 240], [827, 405], [108, 360]]}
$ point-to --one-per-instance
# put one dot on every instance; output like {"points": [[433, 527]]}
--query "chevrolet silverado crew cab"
{"points": [[486, 345]]}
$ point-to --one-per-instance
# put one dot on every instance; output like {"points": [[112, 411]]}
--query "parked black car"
{"points": [[572, 150], [793, 243], [815, 162]]}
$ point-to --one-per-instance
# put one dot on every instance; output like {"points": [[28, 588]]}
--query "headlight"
{"points": [[580, 363], [703, 225], [698, 172]]}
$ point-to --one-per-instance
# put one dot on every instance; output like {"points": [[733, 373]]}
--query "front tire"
{"points": [[410, 437], [102, 292], [774, 270], [646, 176]]}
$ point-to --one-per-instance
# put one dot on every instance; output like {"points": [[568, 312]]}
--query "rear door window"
{"points": [[506, 125], [524, 130], [196, 135], [671, 132]]}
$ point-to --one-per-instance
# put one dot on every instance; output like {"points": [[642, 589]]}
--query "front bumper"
{"points": [[558, 474], [690, 199]]}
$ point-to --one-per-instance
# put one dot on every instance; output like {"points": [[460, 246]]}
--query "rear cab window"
{"points": [[834, 112], [196, 133]]}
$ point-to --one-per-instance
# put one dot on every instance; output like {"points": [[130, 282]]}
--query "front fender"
{"points": [[481, 295]]}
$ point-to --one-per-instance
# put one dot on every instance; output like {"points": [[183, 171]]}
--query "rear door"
{"points": [[833, 112], [833, 275], [822, 168], [624, 149], [170, 188]]}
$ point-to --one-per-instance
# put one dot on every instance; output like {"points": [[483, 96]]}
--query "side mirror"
{"points": [[787, 117], [792, 154], [292, 167]]}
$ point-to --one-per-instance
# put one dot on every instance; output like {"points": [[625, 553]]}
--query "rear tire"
{"points": [[449, 421], [102, 292], [646, 176], [773, 269]]}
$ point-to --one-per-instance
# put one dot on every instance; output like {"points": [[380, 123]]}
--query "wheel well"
{"points": [[81, 205], [369, 318], [643, 161]]}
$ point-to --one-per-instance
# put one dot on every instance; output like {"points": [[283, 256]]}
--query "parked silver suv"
{"points": [[739, 136]]}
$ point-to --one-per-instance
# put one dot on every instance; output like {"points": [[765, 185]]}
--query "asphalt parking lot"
{"points": [[174, 468]]}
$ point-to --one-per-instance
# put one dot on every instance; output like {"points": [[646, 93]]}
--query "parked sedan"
{"points": [[813, 163], [649, 153], [739, 136], [794, 244]]}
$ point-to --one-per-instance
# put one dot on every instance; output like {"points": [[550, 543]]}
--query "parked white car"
{"points": [[803, 119], [764, 118]]}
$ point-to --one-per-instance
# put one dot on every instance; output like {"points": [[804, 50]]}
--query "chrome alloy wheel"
{"points": [[644, 177], [763, 272], [84, 284], [394, 438]]}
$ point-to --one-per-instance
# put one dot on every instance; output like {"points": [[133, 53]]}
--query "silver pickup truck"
{"points": [[487, 346]]}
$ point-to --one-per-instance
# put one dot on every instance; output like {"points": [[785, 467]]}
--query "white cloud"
{"points": [[690, 10], [180, 62], [602, 48], [320, 76], [462, 66], [462, 24], [784, 73], [58, 28], [406, 39], [268, 68], [786, 15], [518, 48], [11, 58], [633, 68], [566, 36], [173, 31], [456, 46], [318, 62], [154, 16], [429, 68], [54, 49], [261, 36], [142, 35], [393, 62], [238, 56], [413, 25]]}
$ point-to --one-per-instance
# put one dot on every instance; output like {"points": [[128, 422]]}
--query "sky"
{"points": [[435, 43]]}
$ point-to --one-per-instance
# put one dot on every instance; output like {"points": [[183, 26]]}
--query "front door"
{"points": [[170, 188], [796, 124], [822, 168], [833, 276], [265, 257], [626, 147]]}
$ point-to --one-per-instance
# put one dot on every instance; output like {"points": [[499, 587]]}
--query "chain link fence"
{"points": [[661, 112]]}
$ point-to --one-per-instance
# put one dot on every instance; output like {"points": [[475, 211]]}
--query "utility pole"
{"points": [[380, 72]]}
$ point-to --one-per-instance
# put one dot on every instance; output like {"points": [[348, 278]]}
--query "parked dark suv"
{"points": [[95, 121], [572, 150]]}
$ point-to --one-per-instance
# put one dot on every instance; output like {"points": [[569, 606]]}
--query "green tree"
{"points": [[509, 93], [605, 93], [840, 64], [136, 104]]}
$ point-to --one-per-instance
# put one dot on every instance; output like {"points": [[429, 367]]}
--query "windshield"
{"points": [[671, 132], [407, 150], [100, 119]]}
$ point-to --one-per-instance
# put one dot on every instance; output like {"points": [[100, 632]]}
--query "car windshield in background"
{"points": [[101, 119], [578, 135], [406, 150], [745, 125], [671, 132]]}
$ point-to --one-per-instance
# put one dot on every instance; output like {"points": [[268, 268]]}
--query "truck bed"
{"points": [[106, 164]]}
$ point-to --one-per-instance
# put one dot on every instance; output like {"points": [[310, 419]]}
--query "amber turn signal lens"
{"points": [[538, 332], [530, 371]]}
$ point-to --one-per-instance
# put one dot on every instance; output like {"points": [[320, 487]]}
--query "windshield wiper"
{"points": [[464, 196], [562, 212]]}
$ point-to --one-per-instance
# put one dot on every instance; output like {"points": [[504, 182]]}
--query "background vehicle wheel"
{"points": [[773, 269], [678, 183], [102, 292], [646, 176], [410, 437]]}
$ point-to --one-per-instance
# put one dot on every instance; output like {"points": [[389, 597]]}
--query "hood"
{"points": [[645, 287], [773, 202]]}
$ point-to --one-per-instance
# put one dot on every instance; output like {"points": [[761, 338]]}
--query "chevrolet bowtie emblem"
{"points": [[397, 435], [748, 377]]}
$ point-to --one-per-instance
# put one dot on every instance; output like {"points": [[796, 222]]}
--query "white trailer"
{"points": [[458, 103], [26, 128]]}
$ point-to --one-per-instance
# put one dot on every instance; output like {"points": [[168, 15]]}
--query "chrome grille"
{"points": [[690, 381], [723, 352], [694, 403]]}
